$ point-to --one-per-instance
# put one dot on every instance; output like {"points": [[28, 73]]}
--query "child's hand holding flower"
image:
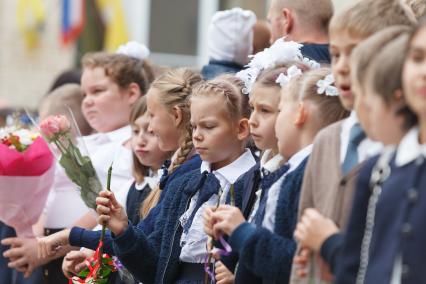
{"points": [[111, 213], [313, 229], [226, 219]]}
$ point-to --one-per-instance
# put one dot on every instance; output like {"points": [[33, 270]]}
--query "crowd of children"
{"points": [[298, 161]]}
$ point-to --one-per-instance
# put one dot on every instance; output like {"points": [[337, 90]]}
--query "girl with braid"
{"points": [[168, 111], [176, 251]]}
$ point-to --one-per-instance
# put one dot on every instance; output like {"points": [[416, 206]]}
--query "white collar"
{"points": [[235, 169], [409, 149], [272, 164], [151, 181], [299, 157]]}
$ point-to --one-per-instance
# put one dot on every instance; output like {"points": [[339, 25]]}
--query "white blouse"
{"points": [[194, 242]]}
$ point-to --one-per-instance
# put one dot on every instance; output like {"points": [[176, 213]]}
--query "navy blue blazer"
{"points": [[266, 257], [155, 258], [89, 239], [400, 226]]}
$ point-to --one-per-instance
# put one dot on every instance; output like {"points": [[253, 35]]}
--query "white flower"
{"points": [[134, 49], [25, 136], [326, 86], [292, 72]]}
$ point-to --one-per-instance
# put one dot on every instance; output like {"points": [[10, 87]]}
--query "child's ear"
{"points": [[243, 129], [302, 115], [177, 115], [133, 92]]}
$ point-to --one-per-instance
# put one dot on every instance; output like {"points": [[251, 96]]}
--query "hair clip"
{"points": [[134, 49], [292, 72], [326, 86]]}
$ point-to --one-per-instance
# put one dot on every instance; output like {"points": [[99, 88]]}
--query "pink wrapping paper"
{"points": [[25, 181]]}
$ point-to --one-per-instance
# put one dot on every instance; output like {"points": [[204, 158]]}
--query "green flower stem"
{"points": [[60, 146], [104, 226]]}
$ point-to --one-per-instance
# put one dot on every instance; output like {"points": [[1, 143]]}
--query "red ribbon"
{"points": [[93, 264]]}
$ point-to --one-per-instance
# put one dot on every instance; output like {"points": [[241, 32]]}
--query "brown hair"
{"points": [[385, 77], [230, 87], [67, 96], [175, 87], [363, 54], [329, 108], [138, 110], [366, 17], [122, 69]]}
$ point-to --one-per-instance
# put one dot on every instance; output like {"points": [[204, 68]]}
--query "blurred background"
{"points": [[42, 38]]}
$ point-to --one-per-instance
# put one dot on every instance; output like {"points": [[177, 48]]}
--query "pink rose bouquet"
{"points": [[57, 130], [26, 176]]}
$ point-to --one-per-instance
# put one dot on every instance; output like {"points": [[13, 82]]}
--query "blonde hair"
{"points": [[139, 170], [366, 17], [175, 87], [311, 14], [67, 96], [122, 69], [230, 88], [329, 108], [418, 7], [363, 54], [385, 76]]}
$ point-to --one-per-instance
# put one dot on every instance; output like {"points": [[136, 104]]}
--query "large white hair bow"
{"points": [[134, 49]]}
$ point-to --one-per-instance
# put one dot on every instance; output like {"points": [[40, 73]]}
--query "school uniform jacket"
{"points": [[80, 237], [324, 186], [399, 224], [266, 257], [156, 258]]}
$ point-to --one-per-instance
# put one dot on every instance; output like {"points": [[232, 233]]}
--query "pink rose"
{"points": [[54, 125]]}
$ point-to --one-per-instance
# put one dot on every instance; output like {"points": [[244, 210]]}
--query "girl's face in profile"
{"points": [[414, 75]]}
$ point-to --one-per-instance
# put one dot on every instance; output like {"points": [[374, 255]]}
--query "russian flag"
{"points": [[73, 15]]}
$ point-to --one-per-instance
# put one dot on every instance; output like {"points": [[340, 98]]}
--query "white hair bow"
{"points": [[292, 72], [326, 86], [134, 49]]}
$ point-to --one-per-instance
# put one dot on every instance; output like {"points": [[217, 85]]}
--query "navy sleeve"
{"points": [[80, 237], [140, 252], [349, 257], [330, 250], [258, 249]]}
